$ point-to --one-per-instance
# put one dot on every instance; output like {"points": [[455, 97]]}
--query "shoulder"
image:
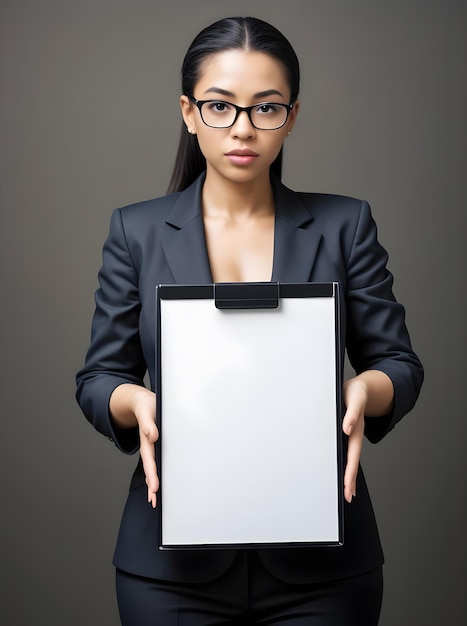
{"points": [[317, 202], [175, 210], [327, 210], [322, 205], [338, 213], [148, 210], [140, 222]]}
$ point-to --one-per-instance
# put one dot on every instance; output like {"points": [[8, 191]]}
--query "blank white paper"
{"points": [[249, 425]]}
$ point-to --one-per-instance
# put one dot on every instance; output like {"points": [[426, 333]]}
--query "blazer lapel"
{"points": [[295, 243], [183, 239]]}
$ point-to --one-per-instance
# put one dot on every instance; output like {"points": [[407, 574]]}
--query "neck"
{"points": [[237, 200]]}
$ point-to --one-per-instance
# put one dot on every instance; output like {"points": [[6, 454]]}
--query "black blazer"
{"points": [[318, 238]]}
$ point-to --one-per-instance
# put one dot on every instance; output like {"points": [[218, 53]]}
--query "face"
{"points": [[241, 153]]}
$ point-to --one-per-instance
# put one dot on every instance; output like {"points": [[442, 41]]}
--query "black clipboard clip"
{"points": [[246, 295]]}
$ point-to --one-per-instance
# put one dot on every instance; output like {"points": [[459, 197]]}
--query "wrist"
{"points": [[378, 390], [124, 403]]}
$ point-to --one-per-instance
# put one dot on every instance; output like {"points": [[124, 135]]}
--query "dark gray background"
{"points": [[90, 119]]}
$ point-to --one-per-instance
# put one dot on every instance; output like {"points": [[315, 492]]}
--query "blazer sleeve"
{"points": [[115, 355], [377, 336]]}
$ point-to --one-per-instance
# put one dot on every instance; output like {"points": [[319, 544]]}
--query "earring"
{"points": [[191, 131], [289, 133]]}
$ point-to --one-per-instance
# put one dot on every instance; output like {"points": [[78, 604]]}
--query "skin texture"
{"points": [[238, 213]]}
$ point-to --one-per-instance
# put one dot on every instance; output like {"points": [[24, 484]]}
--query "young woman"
{"points": [[228, 218]]}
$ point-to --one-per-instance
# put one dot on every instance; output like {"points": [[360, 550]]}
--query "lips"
{"points": [[242, 157], [245, 153]]}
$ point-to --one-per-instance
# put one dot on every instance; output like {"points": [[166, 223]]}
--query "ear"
{"points": [[187, 112], [293, 116]]}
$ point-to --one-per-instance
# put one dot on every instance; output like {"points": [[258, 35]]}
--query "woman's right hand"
{"points": [[130, 406], [145, 413]]}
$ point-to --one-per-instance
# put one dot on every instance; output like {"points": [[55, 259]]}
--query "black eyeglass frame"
{"points": [[248, 110]]}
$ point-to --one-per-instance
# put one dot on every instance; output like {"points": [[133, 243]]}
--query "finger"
{"points": [[152, 482], [148, 457], [145, 412], [355, 398], [354, 451], [149, 429], [351, 418]]}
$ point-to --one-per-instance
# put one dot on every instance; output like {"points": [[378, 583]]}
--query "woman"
{"points": [[228, 218]]}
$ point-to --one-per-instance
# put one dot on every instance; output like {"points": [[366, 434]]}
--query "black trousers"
{"points": [[247, 594]]}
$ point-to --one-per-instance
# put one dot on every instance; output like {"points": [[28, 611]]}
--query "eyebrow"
{"points": [[260, 94]]}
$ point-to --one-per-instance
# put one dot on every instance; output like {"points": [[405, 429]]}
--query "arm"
{"points": [[115, 355], [110, 388], [389, 374]]}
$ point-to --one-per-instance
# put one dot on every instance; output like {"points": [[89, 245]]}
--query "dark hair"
{"points": [[246, 33]]}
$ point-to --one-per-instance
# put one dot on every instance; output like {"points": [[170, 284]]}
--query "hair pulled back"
{"points": [[245, 33]]}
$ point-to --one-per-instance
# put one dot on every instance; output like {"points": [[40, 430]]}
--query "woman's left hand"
{"points": [[353, 425], [369, 393]]}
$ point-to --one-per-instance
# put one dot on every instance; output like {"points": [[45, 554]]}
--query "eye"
{"points": [[267, 108], [219, 107]]}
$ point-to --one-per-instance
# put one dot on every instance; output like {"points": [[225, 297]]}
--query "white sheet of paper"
{"points": [[248, 437]]}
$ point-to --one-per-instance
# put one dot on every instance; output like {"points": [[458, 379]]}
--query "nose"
{"points": [[243, 126]]}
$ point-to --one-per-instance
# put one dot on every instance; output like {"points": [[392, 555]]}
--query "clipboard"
{"points": [[249, 408]]}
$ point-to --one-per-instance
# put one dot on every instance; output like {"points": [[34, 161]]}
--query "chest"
{"points": [[240, 252]]}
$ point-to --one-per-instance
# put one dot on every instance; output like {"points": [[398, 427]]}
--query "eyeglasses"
{"points": [[263, 116]]}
